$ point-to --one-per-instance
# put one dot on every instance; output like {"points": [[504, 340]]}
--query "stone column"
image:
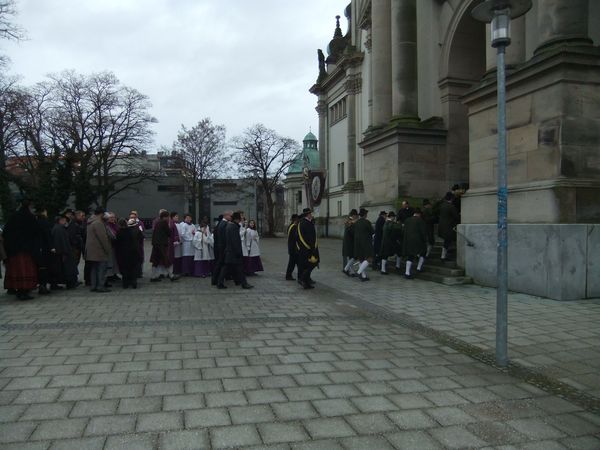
{"points": [[405, 99], [516, 52], [353, 85], [381, 81], [562, 22], [322, 112]]}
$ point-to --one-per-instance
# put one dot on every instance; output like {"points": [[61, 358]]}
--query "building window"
{"points": [[340, 174], [169, 188], [339, 208], [298, 196], [338, 111], [225, 203]]}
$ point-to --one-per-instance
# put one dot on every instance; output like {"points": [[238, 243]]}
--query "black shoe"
{"points": [[125, 285], [24, 296], [365, 279], [107, 285], [408, 277], [384, 273], [307, 286], [134, 285], [154, 280], [103, 290], [247, 286], [345, 272], [312, 282], [55, 287], [174, 278], [419, 270], [221, 286], [11, 291], [289, 278]]}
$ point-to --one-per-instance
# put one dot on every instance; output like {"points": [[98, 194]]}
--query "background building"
{"points": [[407, 106]]}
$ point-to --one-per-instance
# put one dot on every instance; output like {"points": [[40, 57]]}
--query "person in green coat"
{"points": [[348, 243], [414, 242], [363, 243], [391, 241]]}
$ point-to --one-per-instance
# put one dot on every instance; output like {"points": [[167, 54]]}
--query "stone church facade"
{"points": [[407, 108]]}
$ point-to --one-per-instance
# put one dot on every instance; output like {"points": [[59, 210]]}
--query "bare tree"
{"points": [[264, 155], [203, 155], [8, 29]]}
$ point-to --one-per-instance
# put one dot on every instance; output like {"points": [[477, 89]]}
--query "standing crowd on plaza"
{"points": [[43, 255]]}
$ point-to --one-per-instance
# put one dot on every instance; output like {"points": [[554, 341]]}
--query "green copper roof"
{"points": [[310, 149]]}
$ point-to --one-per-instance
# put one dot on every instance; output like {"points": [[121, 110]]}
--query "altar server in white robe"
{"points": [[204, 255]]}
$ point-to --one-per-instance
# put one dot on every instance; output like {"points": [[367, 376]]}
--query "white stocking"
{"points": [[421, 261], [408, 266]]}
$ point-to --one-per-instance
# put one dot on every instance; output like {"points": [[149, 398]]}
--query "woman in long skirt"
{"points": [[252, 262], [204, 256]]}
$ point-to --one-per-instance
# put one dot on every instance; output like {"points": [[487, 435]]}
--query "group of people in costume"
{"points": [[407, 236], [46, 256], [303, 248]]}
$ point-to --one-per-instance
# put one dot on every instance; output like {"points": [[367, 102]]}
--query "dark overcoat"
{"points": [[348, 241], [292, 234], [307, 243], [415, 237], [391, 242], [363, 239], [161, 235], [379, 223], [127, 247], [448, 221], [233, 244]]}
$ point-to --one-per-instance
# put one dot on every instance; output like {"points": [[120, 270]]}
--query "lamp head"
{"points": [[499, 13]]}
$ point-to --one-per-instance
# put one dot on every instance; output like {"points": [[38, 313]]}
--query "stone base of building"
{"points": [[557, 261]]}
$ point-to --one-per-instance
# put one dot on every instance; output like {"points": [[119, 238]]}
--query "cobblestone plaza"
{"points": [[387, 364]]}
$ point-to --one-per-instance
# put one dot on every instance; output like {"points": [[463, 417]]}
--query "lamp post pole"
{"points": [[499, 13]]}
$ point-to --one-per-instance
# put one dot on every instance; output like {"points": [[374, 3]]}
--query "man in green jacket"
{"points": [[363, 243]]}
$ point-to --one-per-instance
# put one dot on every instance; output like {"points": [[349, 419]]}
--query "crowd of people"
{"points": [[46, 256], [407, 236]]}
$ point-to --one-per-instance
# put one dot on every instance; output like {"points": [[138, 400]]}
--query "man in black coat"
{"points": [[219, 245], [233, 258], [292, 233], [308, 251], [405, 212], [378, 236]]}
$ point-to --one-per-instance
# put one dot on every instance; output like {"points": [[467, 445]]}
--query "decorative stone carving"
{"points": [[354, 84]]}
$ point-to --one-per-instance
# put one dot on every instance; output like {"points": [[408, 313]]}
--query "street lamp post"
{"points": [[499, 13]]}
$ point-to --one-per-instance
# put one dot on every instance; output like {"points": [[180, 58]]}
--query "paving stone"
{"points": [[182, 402], [277, 381], [16, 431], [322, 444], [581, 443], [217, 399], [69, 380], [328, 428], [269, 396], [139, 405], [28, 383], [43, 411], [450, 415], [124, 391], [59, 429], [294, 410], [375, 403], [159, 421], [58, 370], [334, 407], [411, 419], [131, 442], [11, 413], [311, 379], [251, 414], [82, 393], [536, 429], [88, 408], [370, 424], [91, 443], [206, 418], [456, 437], [367, 442], [341, 390], [240, 384], [303, 393], [282, 432], [234, 436], [219, 373], [445, 398], [171, 388], [193, 387], [496, 433], [94, 368], [184, 440], [105, 425]]}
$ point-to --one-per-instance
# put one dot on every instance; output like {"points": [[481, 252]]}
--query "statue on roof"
{"points": [[322, 71]]}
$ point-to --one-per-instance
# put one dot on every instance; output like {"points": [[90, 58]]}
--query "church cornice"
{"points": [[348, 60]]}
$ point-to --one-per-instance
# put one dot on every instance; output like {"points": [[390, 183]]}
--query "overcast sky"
{"points": [[238, 62]]}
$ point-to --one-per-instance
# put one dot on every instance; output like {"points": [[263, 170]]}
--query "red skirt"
{"points": [[21, 273]]}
